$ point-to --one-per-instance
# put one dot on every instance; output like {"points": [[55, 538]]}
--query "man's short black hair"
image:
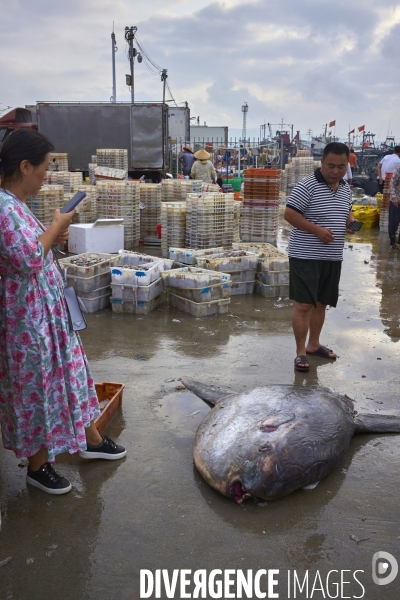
{"points": [[335, 148], [396, 149]]}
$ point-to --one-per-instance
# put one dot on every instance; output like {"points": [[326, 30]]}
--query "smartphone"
{"points": [[71, 204], [355, 225]]}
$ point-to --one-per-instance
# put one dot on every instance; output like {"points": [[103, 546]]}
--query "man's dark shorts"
{"points": [[313, 281]]}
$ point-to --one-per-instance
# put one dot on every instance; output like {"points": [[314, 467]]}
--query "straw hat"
{"points": [[202, 154], [188, 148]]}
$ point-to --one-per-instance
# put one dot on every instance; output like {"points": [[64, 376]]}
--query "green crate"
{"points": [[236, 183]]}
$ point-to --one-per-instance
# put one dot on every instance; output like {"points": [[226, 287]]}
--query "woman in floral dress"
{"points": [[48, 400]]}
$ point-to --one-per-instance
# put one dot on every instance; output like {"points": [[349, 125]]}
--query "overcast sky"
{"points": [[307, 62]]}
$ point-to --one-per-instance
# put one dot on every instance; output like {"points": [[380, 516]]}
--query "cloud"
{"points": [[307, 62]]}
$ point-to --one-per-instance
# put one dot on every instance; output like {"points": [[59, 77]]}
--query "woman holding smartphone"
{"points": [[48, 400]]}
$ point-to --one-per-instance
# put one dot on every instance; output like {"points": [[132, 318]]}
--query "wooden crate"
{"points": [[110, 396]]}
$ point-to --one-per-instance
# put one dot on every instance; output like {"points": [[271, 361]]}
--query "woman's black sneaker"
{"points": [[107, 449], [48, 480]]}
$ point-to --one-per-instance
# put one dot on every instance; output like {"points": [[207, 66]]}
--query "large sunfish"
{"points": [[271, 441]]}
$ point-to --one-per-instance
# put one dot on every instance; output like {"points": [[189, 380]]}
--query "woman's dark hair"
{"points": [[24, 144], [335, 148]]}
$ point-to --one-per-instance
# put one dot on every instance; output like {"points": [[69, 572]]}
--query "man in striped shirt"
{"points": [[319, 209]]}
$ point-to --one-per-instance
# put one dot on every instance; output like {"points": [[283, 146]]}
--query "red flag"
{"points": [[352, 131], [332, 123], [361, 128], [330, 133]]}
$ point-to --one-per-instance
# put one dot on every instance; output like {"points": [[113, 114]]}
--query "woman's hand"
{"points": [[61, 221], [62, 237]]}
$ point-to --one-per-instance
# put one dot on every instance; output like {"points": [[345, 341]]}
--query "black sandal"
{"points": [[299, 362]]}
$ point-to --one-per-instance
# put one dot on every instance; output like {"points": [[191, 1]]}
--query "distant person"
{"points": [[394, 208], [388, 164], [203, 169], [312, 150], [352, 161], [187, 159], [220, 182], [55, 164], [263, 160], [319, 209]]}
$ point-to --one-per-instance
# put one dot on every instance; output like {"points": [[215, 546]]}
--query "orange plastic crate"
{"points": [[110, 399]]}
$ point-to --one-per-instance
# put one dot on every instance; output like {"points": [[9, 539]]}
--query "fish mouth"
{"points": [[237, 492]]}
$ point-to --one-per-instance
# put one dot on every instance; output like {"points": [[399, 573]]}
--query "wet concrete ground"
{"points": [[153, 511]]}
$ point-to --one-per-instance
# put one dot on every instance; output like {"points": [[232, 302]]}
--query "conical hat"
{"points": [[202, 154]]}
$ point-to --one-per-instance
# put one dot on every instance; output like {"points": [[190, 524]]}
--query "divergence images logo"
{"points": [[384, 568]]}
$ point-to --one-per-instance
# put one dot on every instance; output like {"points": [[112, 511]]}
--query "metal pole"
{"points": [[164, 80], [281, 158], [113, 50], [130, 36]]}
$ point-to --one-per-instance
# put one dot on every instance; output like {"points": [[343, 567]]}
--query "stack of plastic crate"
{"points": [[120, 199], [111, 157], [272, 277], [260, 212], [69, 180], [210, 187], [241, 265], [136, 283], [45, 202], [174, 190], [173, 226], [384, 212], [303, 153], [92, 177], [150, 212], [101, 173], [237, 209], [89, 274], [61, 162], [209, 220], [199, 292], [86, 211]]}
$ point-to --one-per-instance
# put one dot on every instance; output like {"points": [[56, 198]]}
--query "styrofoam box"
{"points": [[137, 293], [199, 309], [97, 300], [83, 237], [206, 294], [274, 277], [138, 308], [242, 287], [193, 277], [229, 264], [272, 291]]}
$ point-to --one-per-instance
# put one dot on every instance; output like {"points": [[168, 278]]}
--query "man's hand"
{"points": [[325, 235]]}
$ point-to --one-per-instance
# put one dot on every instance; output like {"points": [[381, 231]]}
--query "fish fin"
{"points": [[209, 393], [312, 486], [377, 423]]}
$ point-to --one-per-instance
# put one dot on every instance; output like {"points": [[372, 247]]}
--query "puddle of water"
{"points": [[182, 409]]}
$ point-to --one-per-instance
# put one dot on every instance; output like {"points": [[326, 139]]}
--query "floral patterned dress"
{"points": [[47, 394]]}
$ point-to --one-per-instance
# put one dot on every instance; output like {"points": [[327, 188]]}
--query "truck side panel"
{"points": [[149, 124], [80, 129]]}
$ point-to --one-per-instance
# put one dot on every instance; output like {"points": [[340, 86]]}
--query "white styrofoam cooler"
{"points": [[91, 237]]}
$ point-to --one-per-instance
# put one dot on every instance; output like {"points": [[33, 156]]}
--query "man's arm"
{"points": [[380, 172], [324, 234]]}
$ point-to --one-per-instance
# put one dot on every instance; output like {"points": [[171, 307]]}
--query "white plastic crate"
{"points": [[96, 300], [242, 287], [236, 260], [140, 275], [272, 291], [205, 294], [199, 309], [243, 276], [137, 293], [138, 308], [274, 277], [193, 277]]}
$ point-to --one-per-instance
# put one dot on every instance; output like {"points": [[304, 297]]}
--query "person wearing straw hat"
{"points": [[203, 169], [187, 159]]}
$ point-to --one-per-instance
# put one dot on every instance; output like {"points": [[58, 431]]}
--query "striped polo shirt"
{"points": [[318, 203]]}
